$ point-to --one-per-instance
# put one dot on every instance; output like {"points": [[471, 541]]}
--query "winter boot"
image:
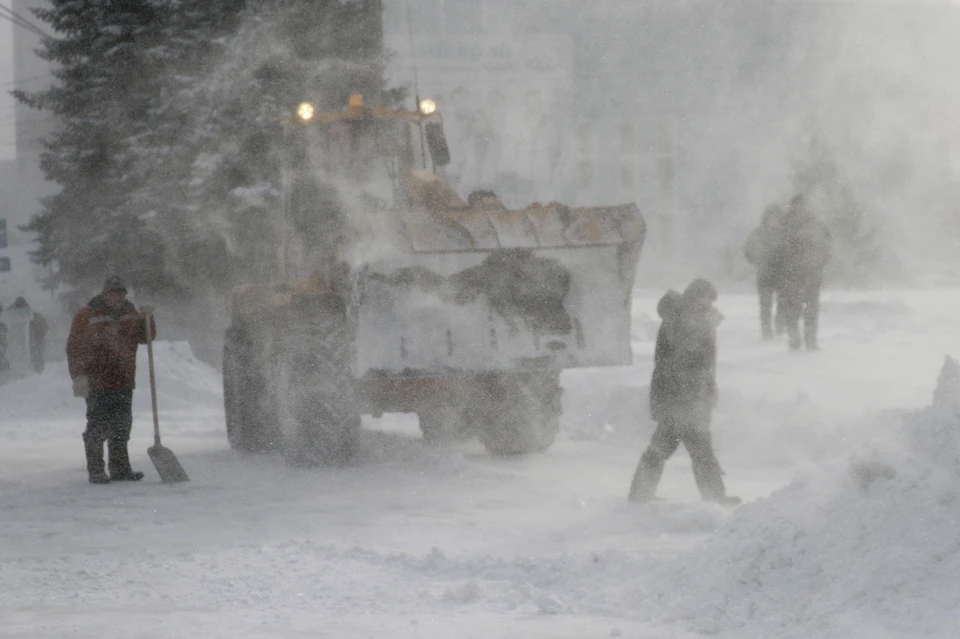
{"points": [[95, 466], [794, 339], [120, 462], [643, 488], [766, 333], [706, 469], [766, 325]]}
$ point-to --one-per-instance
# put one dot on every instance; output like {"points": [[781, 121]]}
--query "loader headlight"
{"points": [[305, 111], [427, 106]]}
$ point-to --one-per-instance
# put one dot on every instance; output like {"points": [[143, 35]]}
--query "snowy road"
{"points": [[417, 541]]}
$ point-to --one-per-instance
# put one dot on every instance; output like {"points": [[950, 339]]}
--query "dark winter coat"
{"points": [[37, 330], [761, 248], [38, 336], [103, 344], [684, 383], [804, 250]]}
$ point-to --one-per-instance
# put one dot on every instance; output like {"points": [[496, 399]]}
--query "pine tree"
{"points": [[287, 52], [195, 34], [168, 141], [103, 63]]}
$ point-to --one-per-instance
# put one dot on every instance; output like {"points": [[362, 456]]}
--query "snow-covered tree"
{"points": [[168, 137], [286, 52], [100, 99]]}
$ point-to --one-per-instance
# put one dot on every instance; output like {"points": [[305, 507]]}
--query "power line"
{"points": [[23, 23], [30, 79], [20, 24]]}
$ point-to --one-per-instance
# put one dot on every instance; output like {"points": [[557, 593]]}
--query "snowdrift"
{"points": [[867, 546], [612, 406], [185, 386]]}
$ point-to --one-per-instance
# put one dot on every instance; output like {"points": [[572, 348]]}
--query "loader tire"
{"points": [[317, 400], [245, 396], [520, 413], [443, 424]]}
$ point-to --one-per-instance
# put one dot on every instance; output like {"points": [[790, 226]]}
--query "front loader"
{"points": [[395, 295]]}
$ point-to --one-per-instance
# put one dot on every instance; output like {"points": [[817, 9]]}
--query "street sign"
{"points": [[4, 264], [3, 234]]}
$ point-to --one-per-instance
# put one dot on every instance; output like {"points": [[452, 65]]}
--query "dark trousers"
{"points": [[109, 419], [664, 443], [767, 292], [801, 298]]}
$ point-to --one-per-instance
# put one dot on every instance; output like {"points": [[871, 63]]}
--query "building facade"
{"points": [[31, 73]]}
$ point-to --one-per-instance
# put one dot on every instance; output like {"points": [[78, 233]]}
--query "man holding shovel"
{"points": [[102, 358]]}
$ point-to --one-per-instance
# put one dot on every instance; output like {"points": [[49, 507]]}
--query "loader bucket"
{"points": [[486, 290]]}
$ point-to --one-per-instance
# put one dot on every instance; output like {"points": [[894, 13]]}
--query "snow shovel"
{"points": [[166, 463]]}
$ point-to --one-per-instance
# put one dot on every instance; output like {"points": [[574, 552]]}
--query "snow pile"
{"points": [[183, 381], [184, 385], [868, 546], [751, 433]]}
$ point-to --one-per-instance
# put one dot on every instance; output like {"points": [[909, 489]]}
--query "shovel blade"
{"points": [[167, 465]]}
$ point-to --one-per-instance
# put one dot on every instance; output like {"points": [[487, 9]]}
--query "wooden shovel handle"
{"points": [[153, 382]]}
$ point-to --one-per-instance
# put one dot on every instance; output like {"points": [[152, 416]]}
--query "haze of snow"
{"points": [[852, 526]]}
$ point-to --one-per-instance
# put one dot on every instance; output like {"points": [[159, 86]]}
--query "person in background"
{"points": [[36, 333], [102, 359], [17, 318], [799, 261], [759, 251], [38, 341], [683, 392]]}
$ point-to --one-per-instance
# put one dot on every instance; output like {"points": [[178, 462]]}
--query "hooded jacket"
{"points": [[684, 384], [103, 344], [804, 250]]}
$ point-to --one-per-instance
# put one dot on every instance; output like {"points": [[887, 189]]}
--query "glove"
{"points": [[147, 309], [81, 386]]}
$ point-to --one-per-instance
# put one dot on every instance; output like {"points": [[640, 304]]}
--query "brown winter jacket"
{"points": [[103, 344]]}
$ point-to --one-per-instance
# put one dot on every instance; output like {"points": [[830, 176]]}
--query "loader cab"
{"points": [[372, 148]]}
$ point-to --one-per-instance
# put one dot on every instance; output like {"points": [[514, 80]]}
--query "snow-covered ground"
{"points": [[851, 527]]}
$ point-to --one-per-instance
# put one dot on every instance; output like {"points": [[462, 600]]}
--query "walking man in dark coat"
{"points": [[102, 358], [799, 261], [759, 251], [683, 392]]}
